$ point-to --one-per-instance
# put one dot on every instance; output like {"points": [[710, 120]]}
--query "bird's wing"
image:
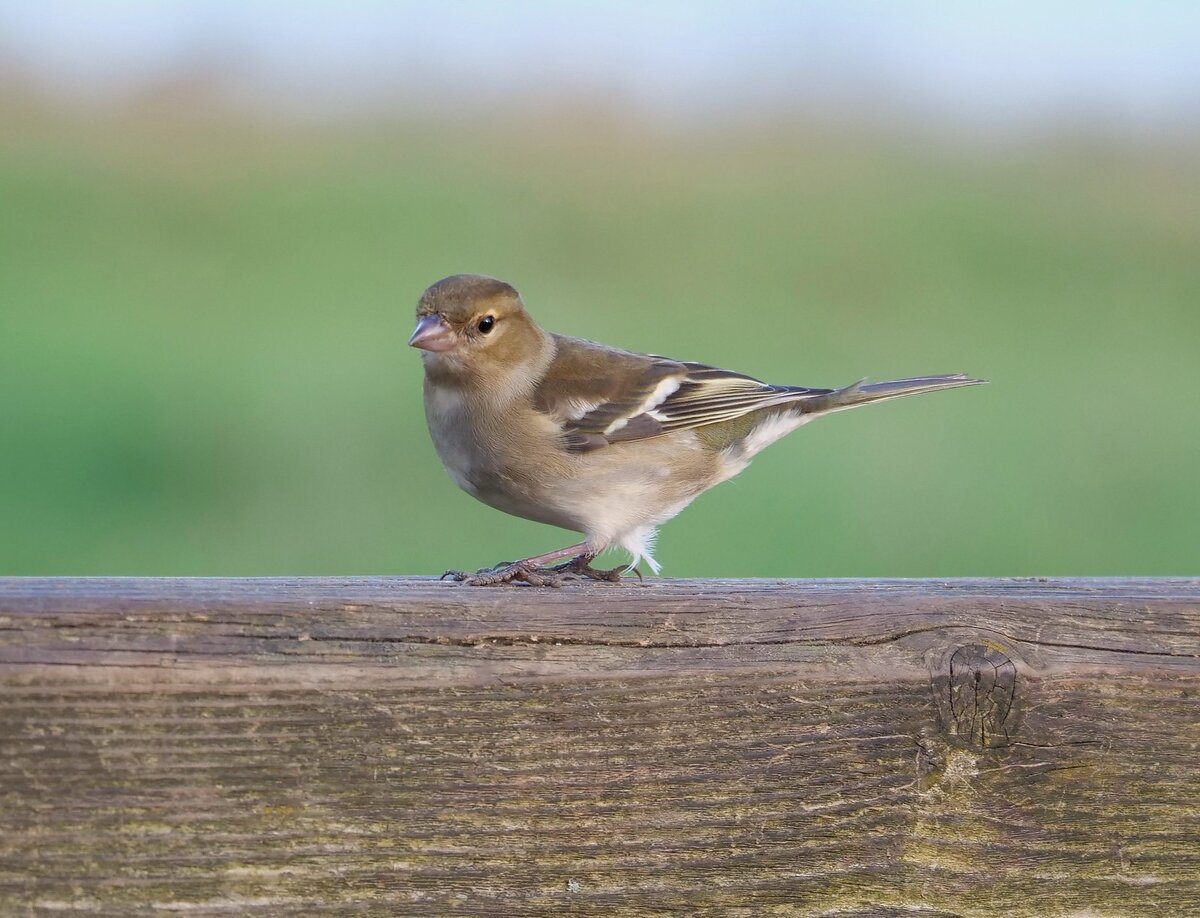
{"points": [[600, 396]]}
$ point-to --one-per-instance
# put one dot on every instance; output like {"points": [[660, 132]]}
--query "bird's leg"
{"points": [[531, 570], [581, 566]]}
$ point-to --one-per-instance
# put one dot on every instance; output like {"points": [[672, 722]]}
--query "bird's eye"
{"points": [[486, 324]]}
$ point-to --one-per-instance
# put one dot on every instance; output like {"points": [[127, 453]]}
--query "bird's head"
{"points": [[468, 321]]}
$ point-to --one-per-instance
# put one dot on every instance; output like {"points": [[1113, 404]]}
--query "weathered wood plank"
{"points": [[404, 746]]}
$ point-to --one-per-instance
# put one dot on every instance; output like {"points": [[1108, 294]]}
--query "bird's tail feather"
{"points": [[863, 393]]}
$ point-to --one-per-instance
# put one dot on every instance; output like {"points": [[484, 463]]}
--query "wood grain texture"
{"points": [[407, 747]]}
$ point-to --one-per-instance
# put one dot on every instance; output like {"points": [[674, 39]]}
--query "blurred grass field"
{"points": [[203, 367]]}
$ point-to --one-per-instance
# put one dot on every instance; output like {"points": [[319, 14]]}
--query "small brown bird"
{"points": [[597, 440]]}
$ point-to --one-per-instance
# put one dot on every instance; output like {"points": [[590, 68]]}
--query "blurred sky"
{"points": [[1126, 65]]}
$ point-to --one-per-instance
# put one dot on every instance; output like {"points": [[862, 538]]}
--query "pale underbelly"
{"points": [[604, 494]]}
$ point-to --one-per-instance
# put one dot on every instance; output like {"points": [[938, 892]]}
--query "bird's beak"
{"points": [[433, 334]]}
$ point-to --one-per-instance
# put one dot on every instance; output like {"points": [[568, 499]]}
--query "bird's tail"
{"points": [[862, 392]]}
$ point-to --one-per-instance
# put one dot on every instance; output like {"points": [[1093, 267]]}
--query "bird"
{"points": [[600, 441]]}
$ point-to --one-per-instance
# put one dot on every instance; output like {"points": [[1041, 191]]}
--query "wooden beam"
{"points": [[409, 747]]}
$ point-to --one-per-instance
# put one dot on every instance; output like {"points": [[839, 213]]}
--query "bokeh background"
{"points": [[216, 217]]}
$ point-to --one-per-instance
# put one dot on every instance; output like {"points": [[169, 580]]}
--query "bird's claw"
{"points": [[529, 572], [581, 566], [507, 572]]}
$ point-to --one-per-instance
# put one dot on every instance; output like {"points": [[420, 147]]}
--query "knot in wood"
{"points": [[982, 686]]}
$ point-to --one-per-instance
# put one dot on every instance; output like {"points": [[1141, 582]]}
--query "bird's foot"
{"points": [[507, 572], [581, 566]]}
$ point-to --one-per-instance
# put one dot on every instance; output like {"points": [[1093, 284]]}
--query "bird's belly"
{"points": [[599, 499], [632, 486], [605, 494]]}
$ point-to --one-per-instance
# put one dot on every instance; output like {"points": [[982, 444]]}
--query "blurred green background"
{"points": [[203, 314]]}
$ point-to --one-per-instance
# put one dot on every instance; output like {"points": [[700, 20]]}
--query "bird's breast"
{"points": [[500, 455], [452, 430]]}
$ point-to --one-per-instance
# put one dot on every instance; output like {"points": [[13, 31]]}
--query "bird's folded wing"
{"points": [[600, 396]]}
